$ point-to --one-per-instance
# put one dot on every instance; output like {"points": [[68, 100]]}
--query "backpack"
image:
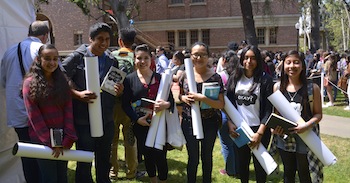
{"points": [[125, 60]]}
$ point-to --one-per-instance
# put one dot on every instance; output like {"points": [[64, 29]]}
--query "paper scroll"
{"points": [[93, 84], [43, 152], [309, 137], [157, 137], [195, 110], [264, 158]]}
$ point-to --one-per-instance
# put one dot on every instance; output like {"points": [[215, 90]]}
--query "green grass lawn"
{"points": [[338, 108], [177, 161]]}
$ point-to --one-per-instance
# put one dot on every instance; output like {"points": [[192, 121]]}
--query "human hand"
{"points": [[256, 139], [161, 105], [119, 88], [232, 129], [86, 96], [197, 96], [143, 121], [56, 151], [301, 128], [277, 131]]}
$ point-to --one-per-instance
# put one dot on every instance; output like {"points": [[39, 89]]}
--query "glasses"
{"points": [[197, 56]]}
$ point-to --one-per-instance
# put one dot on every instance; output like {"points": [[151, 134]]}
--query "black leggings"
{"points": [[244, 156], [155, 159], [293, 162]]}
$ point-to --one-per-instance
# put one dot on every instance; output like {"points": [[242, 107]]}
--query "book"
{"points": [[210, 90], [243, 138], [275, 120], [56, 136], [112, 77], [144, 107]]}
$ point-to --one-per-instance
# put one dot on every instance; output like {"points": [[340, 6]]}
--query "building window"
{"points": [[171, 37], [206, 37], [194, 36], [176, 1], [78, 38], [182, 38], [261, 35], [273, 35], [197, 1]]}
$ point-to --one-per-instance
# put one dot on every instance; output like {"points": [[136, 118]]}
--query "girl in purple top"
{"points": [[47, 99]]}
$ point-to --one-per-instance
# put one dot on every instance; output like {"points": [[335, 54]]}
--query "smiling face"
{"points": [[199, 56], [49, 61], [249, 61], [292, 66], [100, 43], [142, 60]]}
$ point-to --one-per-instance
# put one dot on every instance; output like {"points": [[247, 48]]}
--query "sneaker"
{"points": [[223, 172], [329, 104], [347, 108]]}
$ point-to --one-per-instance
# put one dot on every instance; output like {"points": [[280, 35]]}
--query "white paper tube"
{"points": [[195, 110], [43, 152], [161, 133], [163, 93], [261, 154], [93, 84], [309, 137]]}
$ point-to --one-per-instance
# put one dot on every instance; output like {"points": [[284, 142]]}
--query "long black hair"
{"points": [[257, 73], [302, 78], [40, 89]]}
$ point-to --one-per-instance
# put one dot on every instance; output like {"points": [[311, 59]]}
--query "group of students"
{"points": [[56, 97], [247, 86]]}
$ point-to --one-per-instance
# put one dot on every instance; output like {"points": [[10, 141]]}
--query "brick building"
{"points": [[177, 24]]}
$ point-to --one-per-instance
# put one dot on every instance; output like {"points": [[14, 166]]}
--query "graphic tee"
{"points": [[248, 104]]}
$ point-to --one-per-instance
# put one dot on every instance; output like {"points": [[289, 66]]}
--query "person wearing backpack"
{"points": [[125, 57]]}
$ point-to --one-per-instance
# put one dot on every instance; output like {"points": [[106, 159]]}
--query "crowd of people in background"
{"points": [[55, 96]]}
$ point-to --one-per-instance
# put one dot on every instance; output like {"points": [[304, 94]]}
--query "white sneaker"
{"points": [[329, 104], [347, 108]]}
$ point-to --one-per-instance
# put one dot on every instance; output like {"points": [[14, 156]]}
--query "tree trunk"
{"points": [[119, 8], [248, 22], [315, 25]]}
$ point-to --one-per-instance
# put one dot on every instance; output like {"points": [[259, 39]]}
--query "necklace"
{"points": [[292, 98]]}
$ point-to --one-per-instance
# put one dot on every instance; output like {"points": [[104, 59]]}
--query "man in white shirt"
{"points": [[162, 61]]}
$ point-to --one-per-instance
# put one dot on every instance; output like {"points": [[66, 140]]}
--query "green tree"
{"points": [[337, 23]]}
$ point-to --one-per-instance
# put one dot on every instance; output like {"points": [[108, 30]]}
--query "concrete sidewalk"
{"points": [[335, 126]]}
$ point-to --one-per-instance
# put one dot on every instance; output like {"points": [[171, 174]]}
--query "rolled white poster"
{"points": [[163, 93], [309, 137], [261, 154], [195, 110], [43, 152], [161, 133], [93, 84]]}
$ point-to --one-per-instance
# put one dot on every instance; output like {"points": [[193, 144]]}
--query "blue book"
{"points": [[242, 139], [210, 90]]}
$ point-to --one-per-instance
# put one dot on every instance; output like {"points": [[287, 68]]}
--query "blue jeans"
{"points": [[228, 148], [30, 165], [206, 145], [53, 171], [102, 148]]}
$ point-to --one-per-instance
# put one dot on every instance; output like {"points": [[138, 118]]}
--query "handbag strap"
{"points": [[20, 59]]}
